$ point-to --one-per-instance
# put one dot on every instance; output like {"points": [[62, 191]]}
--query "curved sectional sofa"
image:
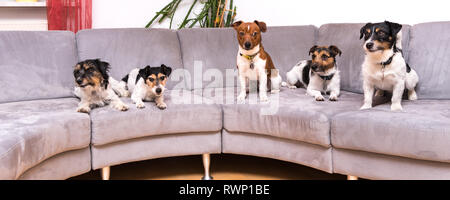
{"points": [[43, 137]]}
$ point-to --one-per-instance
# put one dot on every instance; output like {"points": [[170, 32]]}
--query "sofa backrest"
{"points": [[215, 51], [346, 38], [126, 49], [429, 55], [36, 64]]}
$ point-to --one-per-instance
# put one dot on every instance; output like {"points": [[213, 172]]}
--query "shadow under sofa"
{"points": [[42, 137]]}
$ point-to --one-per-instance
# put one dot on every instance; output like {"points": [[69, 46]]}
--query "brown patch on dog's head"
{"points": [[249, 33], [380, 36], [323, 57], [156, 77], [92, 73]]}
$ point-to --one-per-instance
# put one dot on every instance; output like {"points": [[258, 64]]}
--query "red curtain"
{"points": [[72, 15]]}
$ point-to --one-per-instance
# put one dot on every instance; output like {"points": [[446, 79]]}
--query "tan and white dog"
{"points": [[253, 62]]}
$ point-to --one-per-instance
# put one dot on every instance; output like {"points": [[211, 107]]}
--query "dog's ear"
{"points": [[143, 73], [335, 51], [166, 70], [312, 49], [103, 67], [395, 28], [262, 26], [363, 30], [235, 25]]}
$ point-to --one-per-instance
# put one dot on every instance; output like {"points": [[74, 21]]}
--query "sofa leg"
{"points": [[206, 163], [352, 178], [105, 173]]}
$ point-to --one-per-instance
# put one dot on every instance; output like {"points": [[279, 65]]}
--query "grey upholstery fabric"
{"points": [[346, 38], [216, 50], [126, 49], [155, 147], [36, 64], [378, 166], [420, 131], [429, 50], [295, 116], [182, 115], [314, 156], [211, 51], [61, 166], [32, 131]]}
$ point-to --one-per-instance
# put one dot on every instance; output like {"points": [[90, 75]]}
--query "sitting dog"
{"points": [[253, 62], [318, 75], [93, 88], [147, 84], [384, 67]]}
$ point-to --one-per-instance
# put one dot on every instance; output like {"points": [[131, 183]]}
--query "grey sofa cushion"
{"points": [[36, 65], [216, 50], [429, 50], [297, 116], [126, 49], [420, 131], [182, 115], [346, 38], [32, 131]]}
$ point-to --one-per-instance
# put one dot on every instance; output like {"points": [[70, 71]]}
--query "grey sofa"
{"points": [[42, 137]]}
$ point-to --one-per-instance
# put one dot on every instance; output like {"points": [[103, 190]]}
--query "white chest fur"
{"points": [[244, 63], [384, 77]]}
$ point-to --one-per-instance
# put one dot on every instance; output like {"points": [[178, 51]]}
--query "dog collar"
{"points": [[388, 62], [250, 58], [326, 78]]}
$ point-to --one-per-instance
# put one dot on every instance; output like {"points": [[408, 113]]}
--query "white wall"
{"points": [[136, 13]]}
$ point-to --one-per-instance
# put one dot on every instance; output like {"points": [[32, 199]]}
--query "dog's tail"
{"points": [[284, 84]]}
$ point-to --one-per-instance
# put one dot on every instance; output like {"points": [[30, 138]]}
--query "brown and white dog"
{"points": [[253, 62]]}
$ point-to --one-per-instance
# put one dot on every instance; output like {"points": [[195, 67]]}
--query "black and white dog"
{"points": [[384, 68], [318, 75], [93, 86], [147, 84]]}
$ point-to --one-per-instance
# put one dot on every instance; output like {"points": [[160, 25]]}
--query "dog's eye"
{"points": [[151, 79], [313, 56], [162, 78], [241, 33], [254, 34]]}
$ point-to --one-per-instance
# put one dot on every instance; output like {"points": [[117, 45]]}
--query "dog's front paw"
{"points": [[121, 107], [161, 106], [241, 97], [396, 107], [263, 98], [274, 91], [319, 98], [333, 98], [84, 109], [140, 105], [292, 87], [366, 106]]}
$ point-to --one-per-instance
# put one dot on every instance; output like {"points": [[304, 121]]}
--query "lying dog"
{"points": [[253, 62], [147, 84], [318, 75], [384, 67], [93, 88]]}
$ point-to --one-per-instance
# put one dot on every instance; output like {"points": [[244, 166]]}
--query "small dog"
{"points": [[384, 67], [93, 87], [253, 62], [318, 75], [147, 84]]}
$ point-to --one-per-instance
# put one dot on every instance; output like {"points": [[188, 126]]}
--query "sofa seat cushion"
{"points": [[182, 115], [32, 131], [420, 131], [290, 115]]}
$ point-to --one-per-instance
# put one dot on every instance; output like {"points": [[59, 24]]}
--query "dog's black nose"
{"points": [[247, 45], [369, 45], [158, 90]]}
